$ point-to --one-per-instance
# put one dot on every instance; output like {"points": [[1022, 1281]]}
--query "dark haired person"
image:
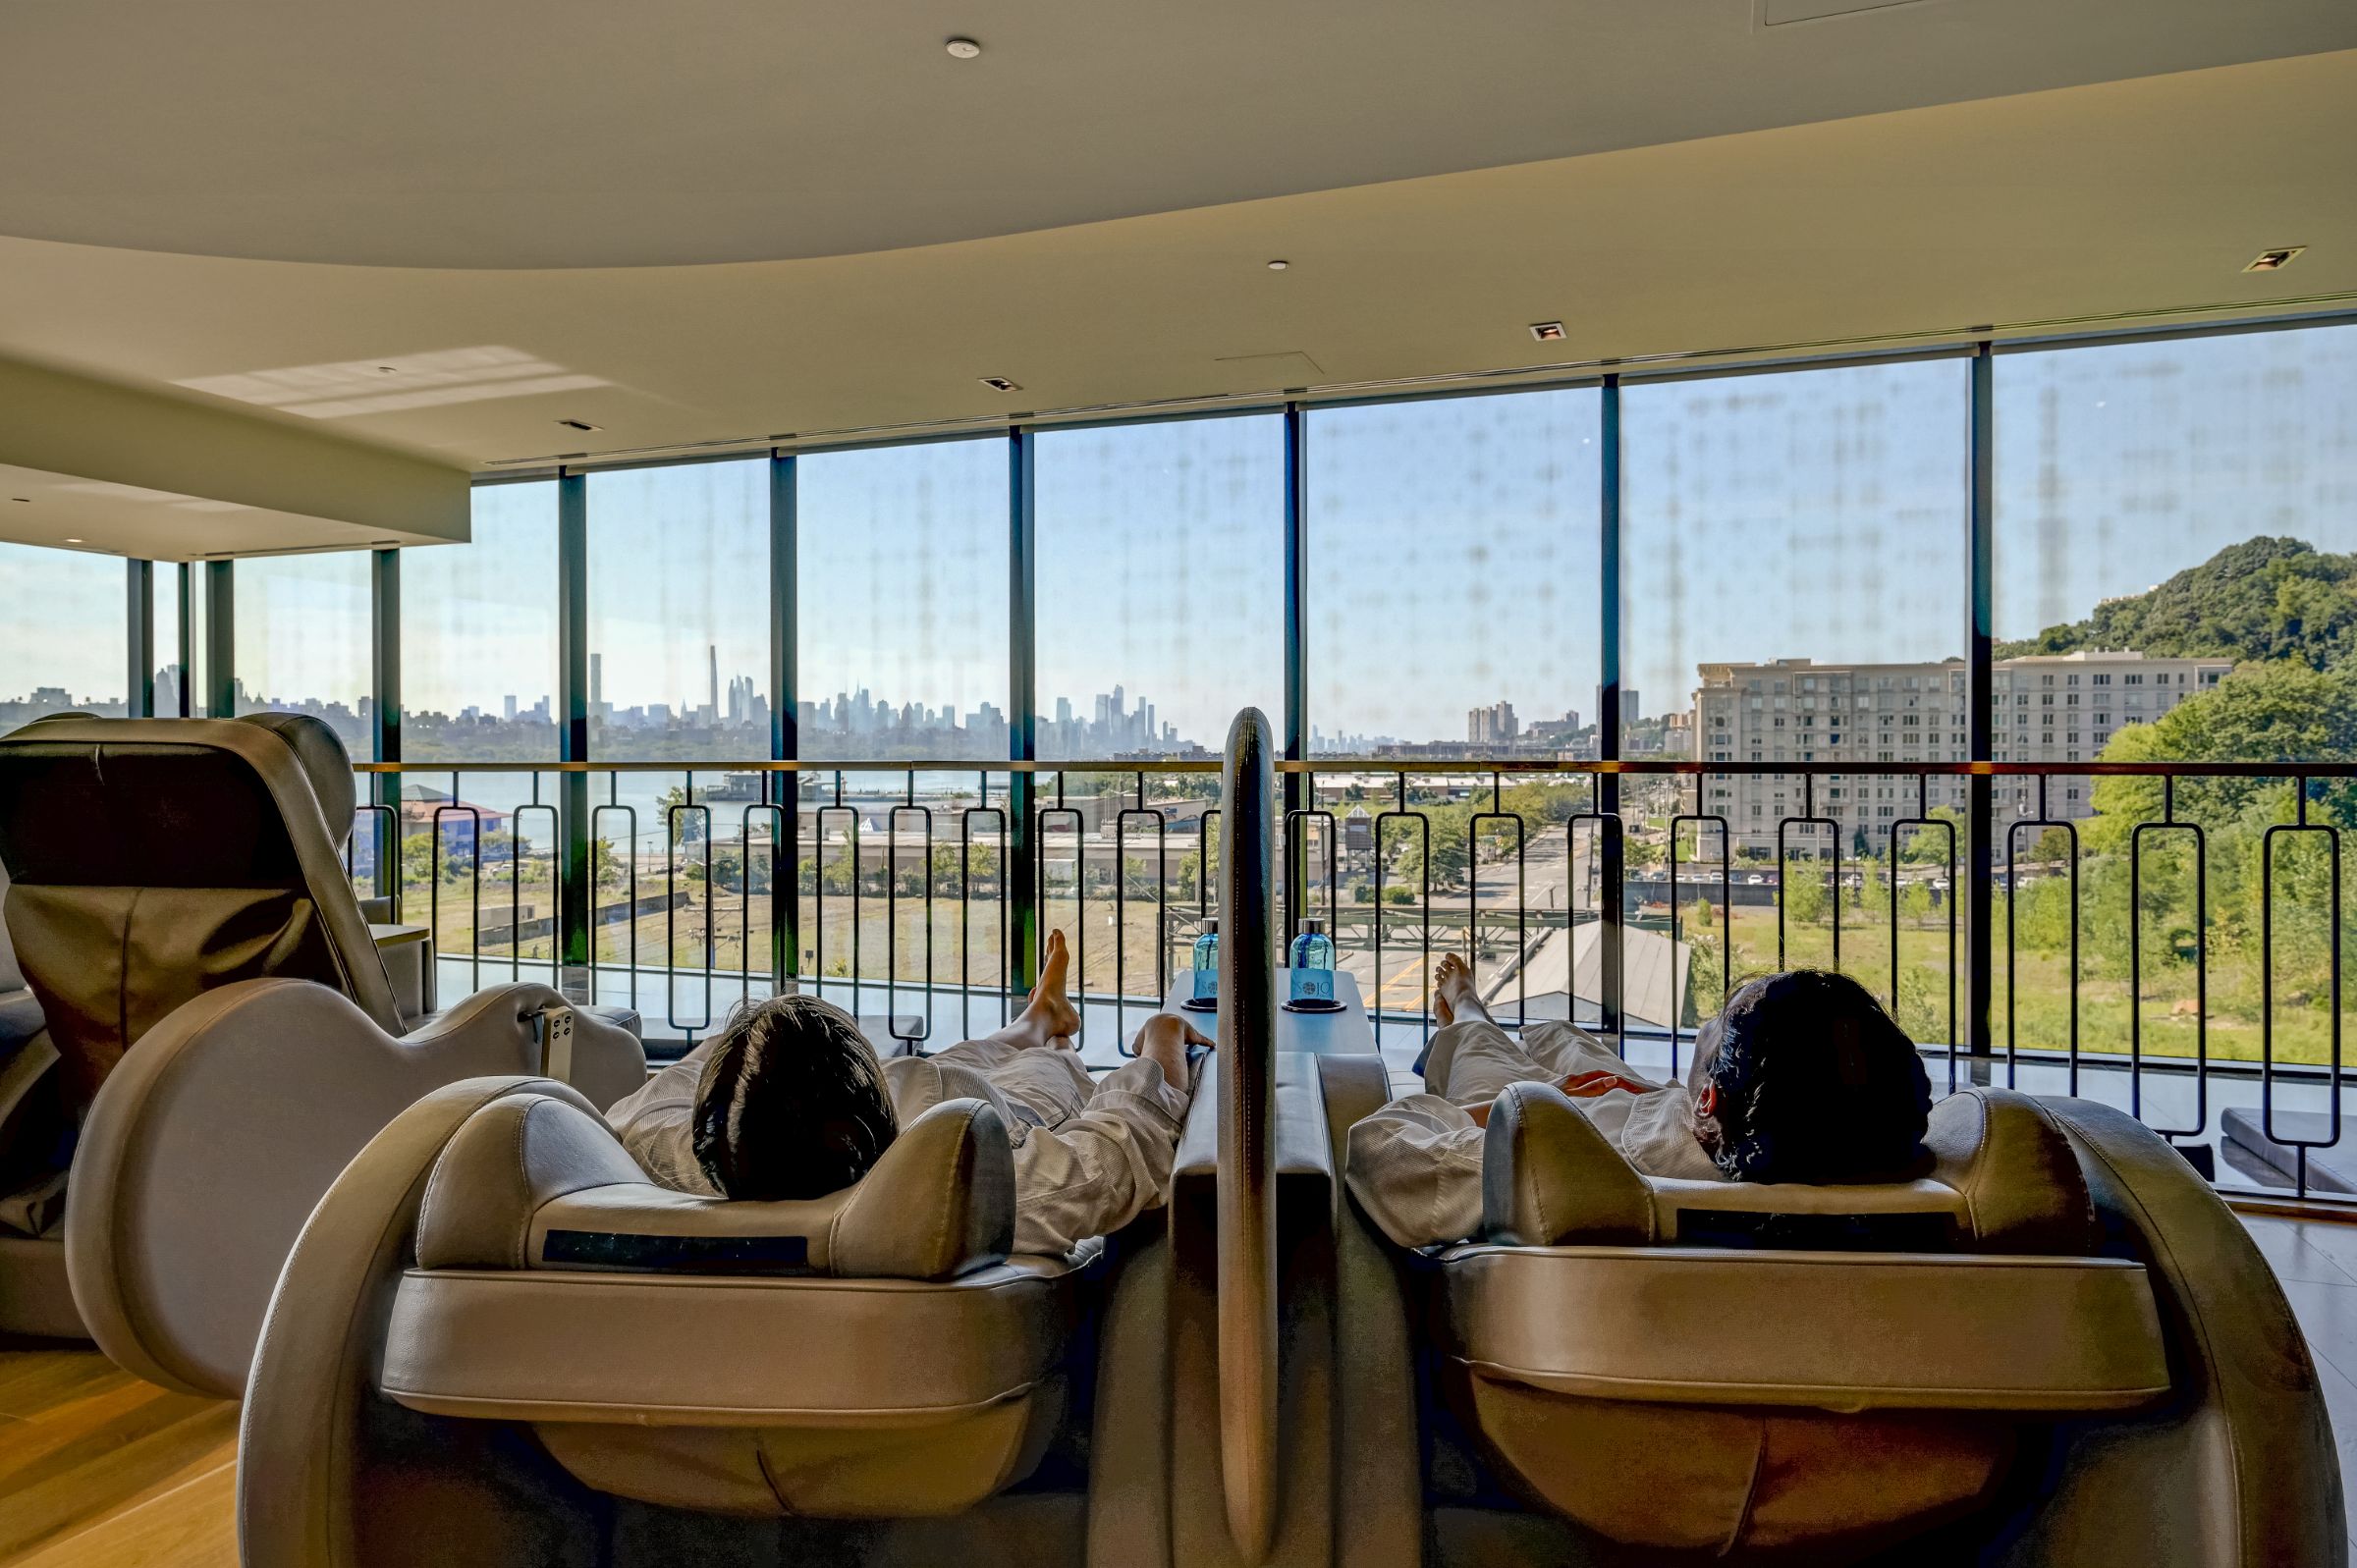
{"points": [[1801, 1078], [791, 1101]]}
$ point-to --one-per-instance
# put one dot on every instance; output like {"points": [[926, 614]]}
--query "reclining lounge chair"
{"points": [[224, 1027], [497, 1342], [2058, 1347]]}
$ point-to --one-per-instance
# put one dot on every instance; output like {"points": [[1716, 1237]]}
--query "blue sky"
{"points": [[1451, 546]]}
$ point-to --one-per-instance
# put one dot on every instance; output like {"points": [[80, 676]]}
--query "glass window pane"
{"points": [[163, 586], [1814, 514], [679, 613], [2180, 501], [199, 686], [478, 634], [300, 633], [1161, 584], [901, 623], [1451, 563], [63, 641]]}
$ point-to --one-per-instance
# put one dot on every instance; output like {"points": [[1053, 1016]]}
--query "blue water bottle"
{"points": [[1207, 963], [1311, 966]]}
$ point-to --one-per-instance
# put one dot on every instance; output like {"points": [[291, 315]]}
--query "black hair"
{"points": [[792, 1103], [1816, 1084]]}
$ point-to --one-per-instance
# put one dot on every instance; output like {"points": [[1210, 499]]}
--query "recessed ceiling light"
{"points": [[1547, 331], [576, 424], [962, 48], [1001, 384], [1279, 266], [2275, 260], [73, 541]]}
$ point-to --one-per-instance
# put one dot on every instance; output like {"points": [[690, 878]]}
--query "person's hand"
{"points": [[1164, 1040]]}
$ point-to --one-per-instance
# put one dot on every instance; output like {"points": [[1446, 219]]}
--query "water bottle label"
{"points": [[1207, 984], [1313, 985]]}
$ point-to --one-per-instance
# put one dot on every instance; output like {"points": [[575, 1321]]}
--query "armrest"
{"points": [[2245, 1444]]}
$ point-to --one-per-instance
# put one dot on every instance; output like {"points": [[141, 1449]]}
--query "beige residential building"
{"points": [[2047, 708]]}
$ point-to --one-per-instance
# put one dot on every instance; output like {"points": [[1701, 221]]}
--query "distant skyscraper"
{"points": [[712, 649], [1493, 726], [509, 703], [1632, 710], [597, 679]]}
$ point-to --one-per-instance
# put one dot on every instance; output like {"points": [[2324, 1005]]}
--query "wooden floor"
{"points": [[99, 1470]]}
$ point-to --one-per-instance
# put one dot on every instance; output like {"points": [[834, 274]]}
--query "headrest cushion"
{"points": [[530, 1182], [2017, 1172], [2005, 1179], [917, 1084], [325, 763], [1549, 1179]]}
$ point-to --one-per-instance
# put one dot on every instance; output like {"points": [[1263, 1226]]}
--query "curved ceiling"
{"points": [[451, 134]]}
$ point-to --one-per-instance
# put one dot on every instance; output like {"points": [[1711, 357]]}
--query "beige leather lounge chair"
{"points": [[2059, 1347], [219, 1007], [36, 1138], [496, 1342]]}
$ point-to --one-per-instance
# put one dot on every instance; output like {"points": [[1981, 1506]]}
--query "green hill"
{"points": [[2263, 599]]}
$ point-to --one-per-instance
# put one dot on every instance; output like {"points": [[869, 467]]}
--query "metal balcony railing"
{"points": [[2179, 954]]}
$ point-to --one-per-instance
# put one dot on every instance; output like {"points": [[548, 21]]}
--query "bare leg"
{"points": [[1050, 1015], [1452, 993]]}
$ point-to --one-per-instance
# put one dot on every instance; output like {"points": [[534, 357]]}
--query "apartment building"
{"points": [[2047, 708]]}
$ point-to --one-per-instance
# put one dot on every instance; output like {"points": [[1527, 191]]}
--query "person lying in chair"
{"points": [[791, 1101], [1801, 1078]]}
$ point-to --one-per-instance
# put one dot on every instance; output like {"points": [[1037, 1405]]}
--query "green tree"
{"points": [[684, 825], [2265, 599]]}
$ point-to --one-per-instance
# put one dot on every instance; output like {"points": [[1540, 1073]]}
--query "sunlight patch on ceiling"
{"points": [[396, 382]]}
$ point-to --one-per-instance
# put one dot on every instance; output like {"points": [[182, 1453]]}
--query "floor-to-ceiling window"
{"points": [[1794, 589], [63, 641], [679, 653], [1161, 588], [903, 642], [2175, 579], [1453, 617], [479, 670]]}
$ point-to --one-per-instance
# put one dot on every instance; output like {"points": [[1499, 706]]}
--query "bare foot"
{"points": [[1452, 991], [1050, 1008]]}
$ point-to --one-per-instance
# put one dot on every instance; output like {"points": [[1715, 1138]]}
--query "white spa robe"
{"points": [[1415, 1165], [1090, 1154]]}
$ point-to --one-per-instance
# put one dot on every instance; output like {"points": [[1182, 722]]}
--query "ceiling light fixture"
{"points": [[1001, 384], [576, 424], [1547, 331], [73, 541], [962, 48], [26, 500], [2275, 260], [1279, 266]]}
